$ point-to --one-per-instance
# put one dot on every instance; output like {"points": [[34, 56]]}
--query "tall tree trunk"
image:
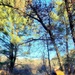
{"points": [[12, 58], [69, 8], [68, 4], [56, 48], [67, 52], [44, 64], [48, 55]]}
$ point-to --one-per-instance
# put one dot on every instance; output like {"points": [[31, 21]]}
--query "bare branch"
{"points": [[31, 40], [40, 20], [3, 40], [32, 17]]}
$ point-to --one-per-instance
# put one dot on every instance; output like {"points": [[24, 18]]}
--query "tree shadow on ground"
{"points": [[25, 70]]}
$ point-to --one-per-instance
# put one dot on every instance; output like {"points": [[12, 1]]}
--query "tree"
{"points": [[70, 10], [33, 14], [41, 14], [36, 12], [48, 55], [62, 17], [48, 19], [13, 26]]}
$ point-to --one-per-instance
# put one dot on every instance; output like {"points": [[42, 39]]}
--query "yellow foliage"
{"points": [[12, 2], [14, 38], [57, 8], [61, 11], [60, 5], [54, 16], [2, 22], [66, 15], [25, 20], [12, 20], [59, 2], [5, 30], [9, 10], [58, 72], [70, 7], [22, 27], [20, 4]]}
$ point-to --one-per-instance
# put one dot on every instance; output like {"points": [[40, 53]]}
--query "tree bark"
{"points": [[72, 26], [12, 57], [48, 56]]}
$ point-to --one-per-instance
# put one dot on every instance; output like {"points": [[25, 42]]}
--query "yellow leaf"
{"points": [[15, 39], [66, 15], [59, 2], [54, 16]]}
